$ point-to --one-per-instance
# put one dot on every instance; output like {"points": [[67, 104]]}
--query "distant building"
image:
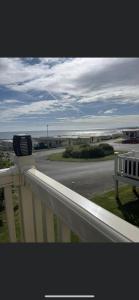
{"points": [[76, 140], [6, 145], [65, 141], [131, 136], [46, 142]]}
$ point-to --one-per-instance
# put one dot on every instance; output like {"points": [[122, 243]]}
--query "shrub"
{"points": [[67, 152], [76, 154], [86, 151], [83, 146], [96, 152], [108, 149]]}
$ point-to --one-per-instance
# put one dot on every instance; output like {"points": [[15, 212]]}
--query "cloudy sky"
{"points": [[68, 93]]}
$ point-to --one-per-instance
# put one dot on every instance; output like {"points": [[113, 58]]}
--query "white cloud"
{"points": [[72, 83], [11, 101], [84, 79], [37, 108], [110, 111], [61, 77], [117, 93], [102, 121], [13, 71]]}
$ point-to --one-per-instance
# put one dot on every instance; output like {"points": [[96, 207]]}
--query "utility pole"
{"points": [[47, 130]]}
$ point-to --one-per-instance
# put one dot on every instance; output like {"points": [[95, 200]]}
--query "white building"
{"points": [[131, 135], [6, 145]]}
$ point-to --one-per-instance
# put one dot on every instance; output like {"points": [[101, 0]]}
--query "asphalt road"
{"points": [[124, 147], [86, 178]]}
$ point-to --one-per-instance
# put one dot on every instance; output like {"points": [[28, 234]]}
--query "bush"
{"points": [[76, 154], [67, 152], [96, 152], [108, 149], [86, 151], [83, 146]]}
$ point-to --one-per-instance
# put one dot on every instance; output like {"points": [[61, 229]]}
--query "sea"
{"points": [[62, 133]]}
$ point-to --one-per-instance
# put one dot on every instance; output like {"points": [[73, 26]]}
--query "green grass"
{"points": [[59, 157], [4, 237], [127, 208]]}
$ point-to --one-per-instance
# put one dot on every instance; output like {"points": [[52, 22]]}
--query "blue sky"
{"points": [[68, 93]]}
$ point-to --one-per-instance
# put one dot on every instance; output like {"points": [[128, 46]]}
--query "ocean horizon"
{"points": [[61, 133]]}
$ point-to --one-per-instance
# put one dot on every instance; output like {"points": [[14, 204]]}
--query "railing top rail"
{"points": [[131, 155], [5, 177], [105, 223], [4, 172], [9, 176]]}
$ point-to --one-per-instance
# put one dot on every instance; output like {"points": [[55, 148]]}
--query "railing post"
{"points": [[38, 220], [137, 167], [27, 214], [133, 152], [116, 163], [10, 213], [63, 232], [24, 163], [48, 224], [116, 173]]}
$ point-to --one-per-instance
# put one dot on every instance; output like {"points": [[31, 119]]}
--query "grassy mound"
{"points": [[86, 151]]}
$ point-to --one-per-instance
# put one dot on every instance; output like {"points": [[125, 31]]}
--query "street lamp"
{"points": [[47, 130]]}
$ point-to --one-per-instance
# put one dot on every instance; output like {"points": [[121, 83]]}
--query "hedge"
{"points": [[87, 151]]}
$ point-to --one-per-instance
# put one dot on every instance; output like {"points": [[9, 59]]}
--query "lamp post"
{"points": [[47, 130]]}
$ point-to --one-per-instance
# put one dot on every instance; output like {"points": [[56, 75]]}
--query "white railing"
{"points": [[49, 211], [127, 165]]}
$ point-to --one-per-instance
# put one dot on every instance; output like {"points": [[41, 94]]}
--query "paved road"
{"points": [[86, 178], [124, 147]]}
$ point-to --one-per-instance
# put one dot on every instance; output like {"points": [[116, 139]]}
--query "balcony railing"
{"points": [[49, 211], [128, 165], [127, 169]]}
